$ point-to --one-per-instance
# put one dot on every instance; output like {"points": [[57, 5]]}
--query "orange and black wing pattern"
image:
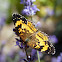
{"points": [[28, 33]]}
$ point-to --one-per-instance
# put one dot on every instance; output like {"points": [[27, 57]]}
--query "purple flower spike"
{"points": [[22, 45], [35, 8], [54, 59], [38, 24], [2, 58], [49, 11], [2, 22], [53, 39], [17, 43], [30, 9], [22, 54], [3, 42], [59, 58], [33, 0], [61, 54], [33, 52], [22, 2]]}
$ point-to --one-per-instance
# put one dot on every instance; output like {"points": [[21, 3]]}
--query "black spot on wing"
{"points": [[19, 26], [16, 30], [49, 43], [46, 42], [23, 19], [16, 18], [34, 46], [52, 49], [17, 39], [39, 36], [47, 50], [38, 42], [41, 47]]}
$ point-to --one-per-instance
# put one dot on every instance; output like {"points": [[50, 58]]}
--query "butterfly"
{"points": [[30, 35]]}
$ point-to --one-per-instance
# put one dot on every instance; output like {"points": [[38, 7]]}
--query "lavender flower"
{"points": [[17, 43], [61, 54], [20, 44], [22, 54], [22, 2], [2, 58], [53, 39], [39, 24], [49, 12], [58, 59], [33, 0], [33, 54], [3, 42], [2, 22], [54, 59], [29, 8], [27, 2]]}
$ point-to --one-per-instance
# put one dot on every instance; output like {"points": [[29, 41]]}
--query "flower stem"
{"points": [[26, 52], [38, 56]]}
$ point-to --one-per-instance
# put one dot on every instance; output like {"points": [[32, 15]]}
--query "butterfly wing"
{"points": [[28, 33], [23, 28], [40, 42]]}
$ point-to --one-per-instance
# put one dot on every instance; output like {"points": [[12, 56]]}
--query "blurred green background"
{"points": [[48, 20]]}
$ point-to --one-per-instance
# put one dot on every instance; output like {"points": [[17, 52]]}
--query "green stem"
{"points": [[38, 56], [55, 5]]}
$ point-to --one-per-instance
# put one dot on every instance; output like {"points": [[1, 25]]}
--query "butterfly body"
{"points": [[28, 33]]}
